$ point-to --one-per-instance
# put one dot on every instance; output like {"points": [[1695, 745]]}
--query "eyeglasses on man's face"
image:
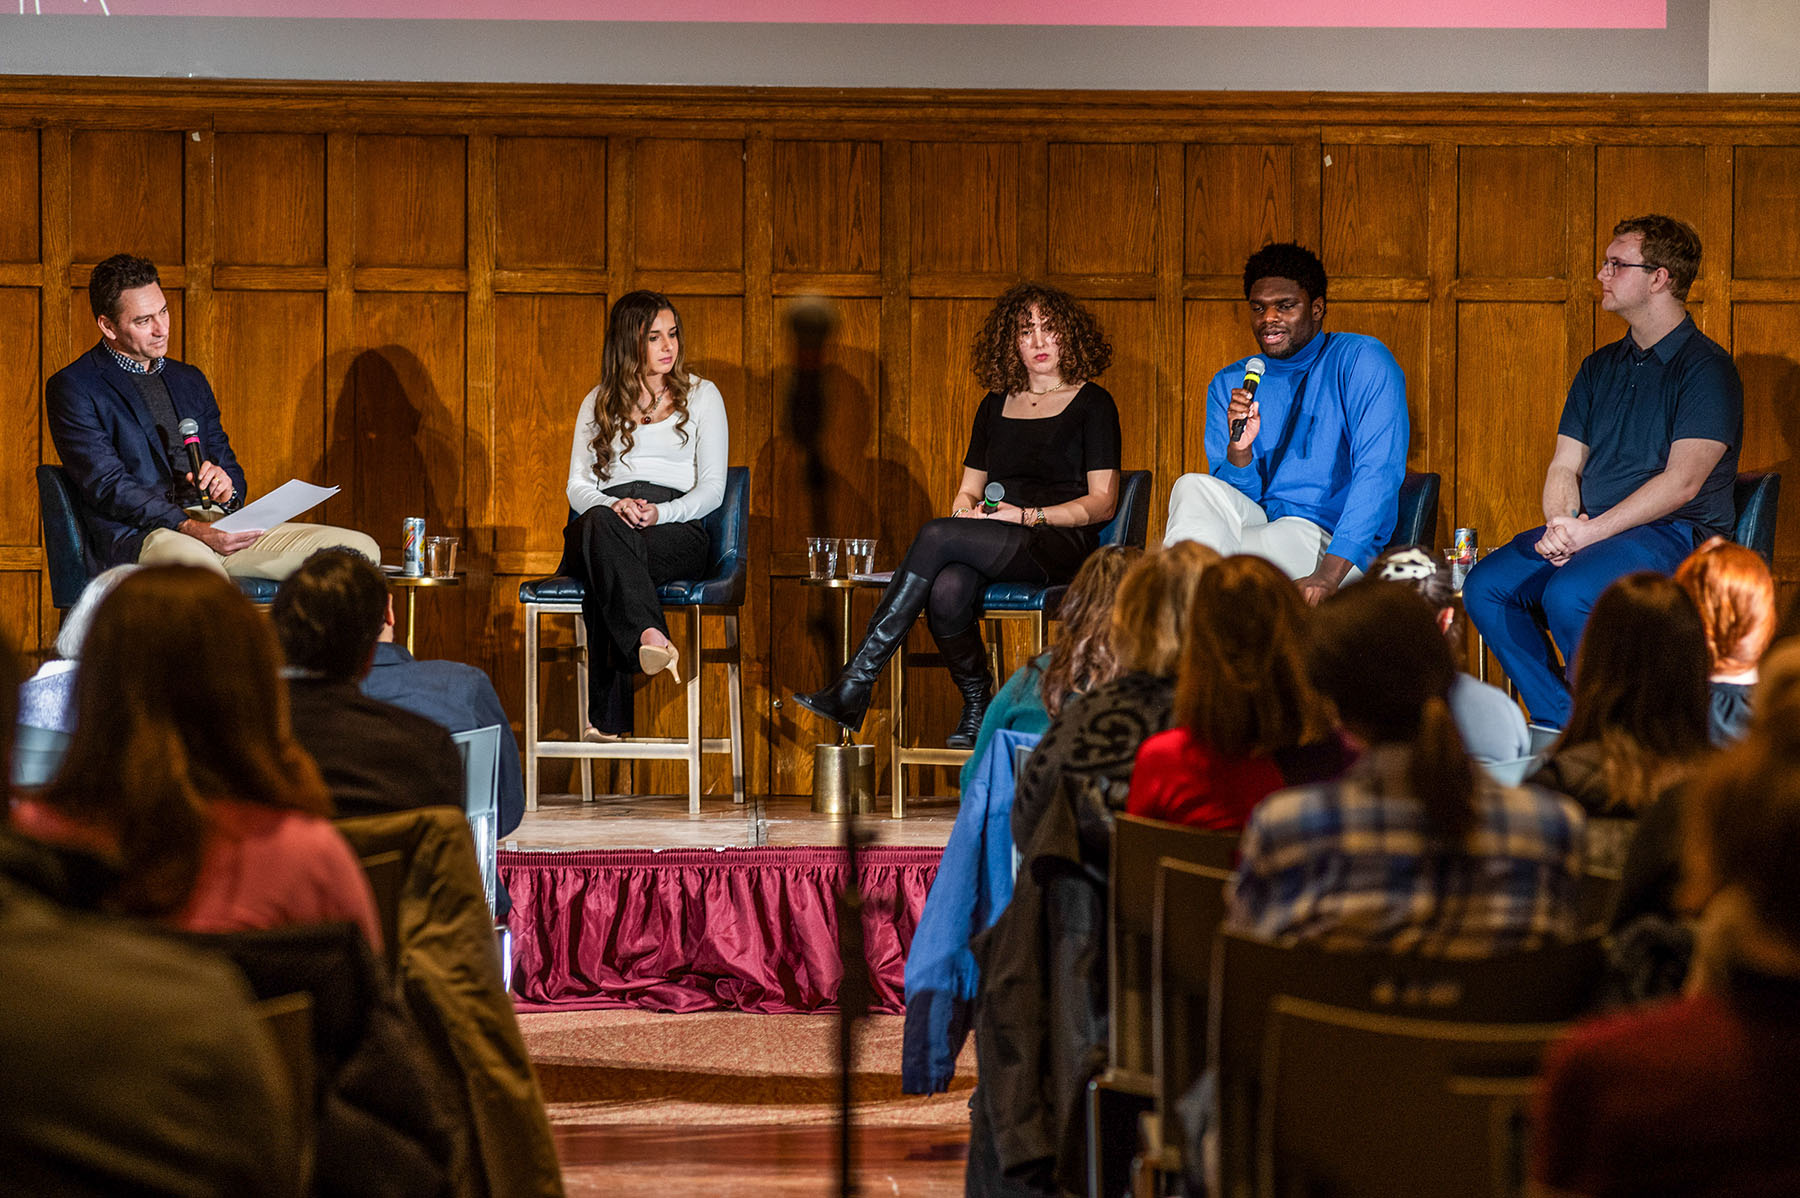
{"points": [[1612, 266]]}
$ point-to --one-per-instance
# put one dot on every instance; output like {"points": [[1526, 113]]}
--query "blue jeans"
{"points": [[1514, 596]]}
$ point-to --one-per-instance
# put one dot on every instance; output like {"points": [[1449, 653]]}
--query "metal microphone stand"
{"points": [[811, 322]]}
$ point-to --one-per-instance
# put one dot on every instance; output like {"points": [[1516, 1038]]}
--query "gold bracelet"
{"points": [[957, 512], [1043, 517]]}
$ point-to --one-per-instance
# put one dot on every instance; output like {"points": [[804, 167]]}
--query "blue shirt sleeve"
{"points": [[1247, 479], [1574, 422], [1373, 392], [1710, 403]]}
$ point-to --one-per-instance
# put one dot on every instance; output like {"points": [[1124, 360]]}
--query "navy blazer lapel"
{"points": [[120, 381]]}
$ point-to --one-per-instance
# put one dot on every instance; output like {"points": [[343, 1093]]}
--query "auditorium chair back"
{"points": [[1139, 846], [1364, 1105], [1549, 985]]}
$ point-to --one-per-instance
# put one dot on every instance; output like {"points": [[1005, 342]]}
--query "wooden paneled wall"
{"points": [[402, 290]]}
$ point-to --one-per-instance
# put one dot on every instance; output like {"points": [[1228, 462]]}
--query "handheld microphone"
{"points": [[190, 436], [991, 495], [1253, 372]]}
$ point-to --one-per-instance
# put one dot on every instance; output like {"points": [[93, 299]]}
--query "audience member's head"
{"points": [[178, 701], [1378, 656], [1741, 835], [75, 625], [329, 613], [1777, 688], [1425, 572], [1083, 655], [1640, 687], [1735, 594], [1151, 609], [1788, 626], [1243, 688]]}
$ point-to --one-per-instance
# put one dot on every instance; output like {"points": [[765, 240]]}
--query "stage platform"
{"points": [[563, 823], [630, 902]]}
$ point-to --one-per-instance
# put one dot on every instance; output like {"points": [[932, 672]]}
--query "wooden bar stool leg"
{"points": [[734, 681], [531, 707], [694, 740], [581, 705]]}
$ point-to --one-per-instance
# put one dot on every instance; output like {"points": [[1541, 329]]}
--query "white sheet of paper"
{"points": [[277, 507]]}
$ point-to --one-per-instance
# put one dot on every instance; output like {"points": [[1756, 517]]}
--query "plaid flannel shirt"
{"points": [[1346, 865]]}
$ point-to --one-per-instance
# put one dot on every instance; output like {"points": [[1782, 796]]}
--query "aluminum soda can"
{"points": [[1463, 549], [412, 551]]}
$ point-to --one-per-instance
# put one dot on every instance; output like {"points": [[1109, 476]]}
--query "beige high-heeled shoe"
{"points": [[653, 659]]}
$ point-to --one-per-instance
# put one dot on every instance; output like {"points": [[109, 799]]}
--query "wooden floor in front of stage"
{"points": [[563, 823], [724, 1103]]}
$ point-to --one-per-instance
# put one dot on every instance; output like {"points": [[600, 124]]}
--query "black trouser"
{"points": [[621, 567], [961, 557]]}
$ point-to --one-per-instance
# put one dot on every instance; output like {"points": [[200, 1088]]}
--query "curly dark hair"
{"points": [[1285, 260], [1086, 353]]}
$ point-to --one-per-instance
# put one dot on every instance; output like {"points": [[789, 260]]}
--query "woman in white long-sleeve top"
{"points": [[647, 464]]}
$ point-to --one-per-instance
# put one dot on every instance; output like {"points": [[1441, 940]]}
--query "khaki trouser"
{"points": [[276, 554]]}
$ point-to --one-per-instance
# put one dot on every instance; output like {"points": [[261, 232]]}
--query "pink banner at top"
{"points": [[1345, 14]]}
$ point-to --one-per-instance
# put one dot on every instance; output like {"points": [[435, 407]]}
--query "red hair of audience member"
{"points": [[179, 701], [1083, 656], [1378, 656], [1641, 686], [1735, 594], [1243, 688]]}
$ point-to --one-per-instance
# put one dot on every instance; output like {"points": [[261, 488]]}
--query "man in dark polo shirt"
{"points": [[1646, 456]]}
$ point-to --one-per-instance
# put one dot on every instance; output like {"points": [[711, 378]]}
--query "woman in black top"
{"points": [[1050, 438]]}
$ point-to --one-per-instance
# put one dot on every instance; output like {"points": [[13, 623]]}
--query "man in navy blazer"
{"points": [[115, 417]]}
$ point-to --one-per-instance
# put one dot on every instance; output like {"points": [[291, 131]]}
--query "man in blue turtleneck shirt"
{"points": [[1311, 479]]}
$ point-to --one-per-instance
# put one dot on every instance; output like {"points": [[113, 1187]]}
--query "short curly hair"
{"points": [[1086, 353], [1285, 260]]}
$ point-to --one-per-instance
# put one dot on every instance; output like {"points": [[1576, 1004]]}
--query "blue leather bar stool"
{"points": [[720, 593], [1755, 496]]}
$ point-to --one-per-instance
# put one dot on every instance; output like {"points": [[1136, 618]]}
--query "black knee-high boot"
{"points": [[846, 700], [965, 656]]}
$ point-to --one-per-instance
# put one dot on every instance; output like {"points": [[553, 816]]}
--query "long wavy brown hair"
{"points": [[1151, 607], [179, 701], [1083, 656], [1086, 353], [622, 376], [1640, 689], [1243, 688]]}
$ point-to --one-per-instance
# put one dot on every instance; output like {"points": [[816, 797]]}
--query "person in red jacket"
{"points": [[1248, 722]]}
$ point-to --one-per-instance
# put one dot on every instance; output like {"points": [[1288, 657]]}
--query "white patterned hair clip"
{"points": [[1408, 565]]}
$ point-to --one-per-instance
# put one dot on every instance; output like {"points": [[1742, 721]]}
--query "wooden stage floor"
{"points": [[563, 823]]}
